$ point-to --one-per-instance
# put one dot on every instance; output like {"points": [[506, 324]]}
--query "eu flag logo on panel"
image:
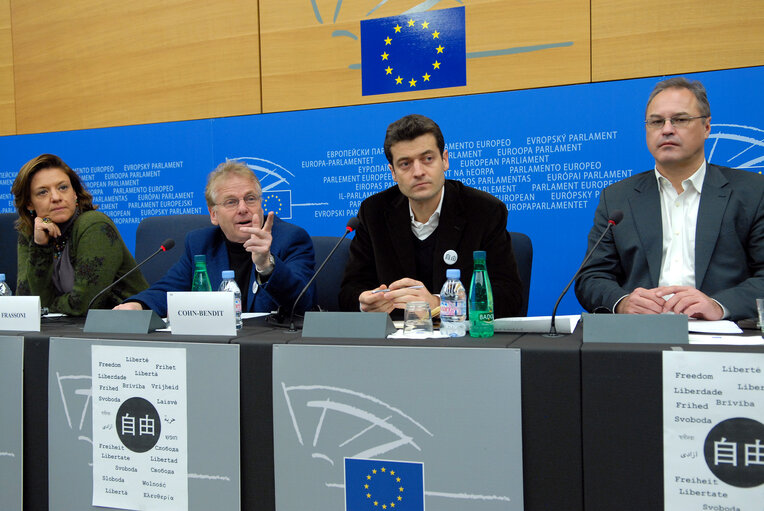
{"points": [[383, 485], [278, 201], [418, 51]]}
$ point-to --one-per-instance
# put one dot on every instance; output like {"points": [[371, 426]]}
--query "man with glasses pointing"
{"points": [[692, 236], [272, 259]]}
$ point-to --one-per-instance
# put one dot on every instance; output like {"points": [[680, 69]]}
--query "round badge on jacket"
{"points": [[450, 256]]}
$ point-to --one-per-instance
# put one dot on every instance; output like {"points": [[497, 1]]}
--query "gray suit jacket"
{"points": [[729, 241]]}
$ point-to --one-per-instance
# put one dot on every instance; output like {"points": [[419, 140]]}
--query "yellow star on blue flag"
{"points": [[383, 485], [278, 201], [410, 46]]}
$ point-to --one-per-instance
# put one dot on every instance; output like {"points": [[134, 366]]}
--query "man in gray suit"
{"points": [[692, 237]]}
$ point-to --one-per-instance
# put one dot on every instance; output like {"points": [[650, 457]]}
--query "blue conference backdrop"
{"points": [[546, 153]]}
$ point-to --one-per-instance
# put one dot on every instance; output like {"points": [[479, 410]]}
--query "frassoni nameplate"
{"points": [[20, 313]]}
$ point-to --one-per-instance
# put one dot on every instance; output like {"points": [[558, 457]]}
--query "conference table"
{"points": [[591, 412]]}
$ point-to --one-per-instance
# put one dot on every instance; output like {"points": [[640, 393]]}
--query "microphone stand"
{"points": [[617, 216], [348, 230], [162, 248]]}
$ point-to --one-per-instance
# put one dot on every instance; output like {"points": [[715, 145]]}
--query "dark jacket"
{"points": [[98, 256], [291, 247], [729, 241], [383, 249]]}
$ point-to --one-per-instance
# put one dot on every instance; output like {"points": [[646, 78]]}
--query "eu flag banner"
{"points": [[418, 51], [383, 484], [278, 201]]}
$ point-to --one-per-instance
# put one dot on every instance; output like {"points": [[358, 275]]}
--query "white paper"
{"points": [[713, 430], [738, 340], [250, 315], [400, 335], [537, 324], [713, 327], [140, 428]]}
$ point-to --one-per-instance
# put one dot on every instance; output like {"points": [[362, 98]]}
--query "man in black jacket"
{"points": [[411, 233]]}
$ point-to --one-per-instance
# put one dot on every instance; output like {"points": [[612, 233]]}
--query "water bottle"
{"points": [[453, 305], [5, 289], [481, 299], [201, 280], [230, 285]]}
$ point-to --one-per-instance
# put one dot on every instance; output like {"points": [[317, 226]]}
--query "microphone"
{"points": [[164, 247], [615, 218], [352, 225]]}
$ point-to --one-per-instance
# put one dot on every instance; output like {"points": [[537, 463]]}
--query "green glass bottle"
{"points": [[481, 298], [201, 280]]}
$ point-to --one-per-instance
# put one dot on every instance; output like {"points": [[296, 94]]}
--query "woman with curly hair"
{"points": [[67, 251]]}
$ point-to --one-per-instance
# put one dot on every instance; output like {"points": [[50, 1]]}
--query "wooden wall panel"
{"points": [[7, 104], [88, 63], [305, 66], [85, 63], [635, 38]]}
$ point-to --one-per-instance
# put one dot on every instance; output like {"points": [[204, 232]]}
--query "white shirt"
{"points": [[679, 218], [423, 230]]}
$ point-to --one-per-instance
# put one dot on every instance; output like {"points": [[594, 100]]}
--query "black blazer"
{"points": [[729, 241], [383, 249]]}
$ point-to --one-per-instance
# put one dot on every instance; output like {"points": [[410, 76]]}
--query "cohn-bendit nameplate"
{"points": [[201, 313]]}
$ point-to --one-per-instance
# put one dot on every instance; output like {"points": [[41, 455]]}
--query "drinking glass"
{"points": [[417, 320]]}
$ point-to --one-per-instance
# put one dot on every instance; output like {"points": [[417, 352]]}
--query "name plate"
{"points": [[636, 328], [20, 313], [201, 313]]}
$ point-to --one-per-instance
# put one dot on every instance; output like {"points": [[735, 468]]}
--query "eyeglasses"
{"points": [[233, 203], [677, 122]]}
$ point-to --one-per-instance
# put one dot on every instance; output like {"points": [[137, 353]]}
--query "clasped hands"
{"points": [[685, 300], [396, 296]]}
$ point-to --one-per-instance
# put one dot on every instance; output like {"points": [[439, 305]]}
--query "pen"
{"points": [[386, 290]]}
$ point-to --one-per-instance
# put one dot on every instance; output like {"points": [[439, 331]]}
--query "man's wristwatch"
{"points": [[271, 264]]}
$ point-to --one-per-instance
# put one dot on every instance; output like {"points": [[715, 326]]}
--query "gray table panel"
{"points": [[11, 444]]}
